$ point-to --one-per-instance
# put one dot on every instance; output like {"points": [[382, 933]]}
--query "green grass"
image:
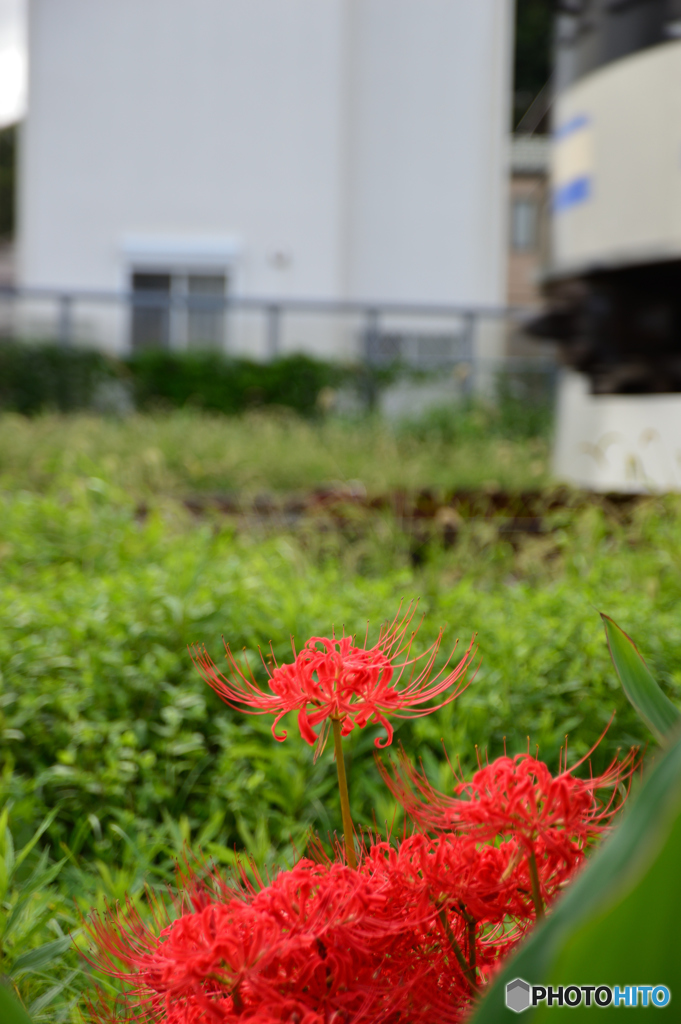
{"points": [[189, 452], [104, 719]]}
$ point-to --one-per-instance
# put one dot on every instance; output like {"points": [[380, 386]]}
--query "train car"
{"points": [[614, 284]]}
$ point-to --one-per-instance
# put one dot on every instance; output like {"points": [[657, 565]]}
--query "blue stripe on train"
{"points": [[572, 193]]}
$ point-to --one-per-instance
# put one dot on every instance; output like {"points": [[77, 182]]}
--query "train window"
{"points": [[524, 224], [593, 33]]}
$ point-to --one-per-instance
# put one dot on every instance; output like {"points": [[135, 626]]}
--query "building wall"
{"points": [[344, 148], [525, 262], [430, 109], [184, 118], [529, 239]]}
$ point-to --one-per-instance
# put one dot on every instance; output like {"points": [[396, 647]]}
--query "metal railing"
{"points": [[421, 335]]}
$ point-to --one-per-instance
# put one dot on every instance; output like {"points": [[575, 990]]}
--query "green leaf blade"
{"points": [[643, 692], [41, 956], [10, 1010], [638, 860]]}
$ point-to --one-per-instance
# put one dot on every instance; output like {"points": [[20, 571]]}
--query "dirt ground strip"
{"points": [[422, 514]]}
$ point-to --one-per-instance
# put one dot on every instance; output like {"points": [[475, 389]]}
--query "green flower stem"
{"points": [[536, 888], [468, 970], [471, 923], [471, 951], [348, 827]]}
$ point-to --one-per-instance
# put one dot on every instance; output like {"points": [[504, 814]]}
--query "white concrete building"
{"points": [[323, 149]]}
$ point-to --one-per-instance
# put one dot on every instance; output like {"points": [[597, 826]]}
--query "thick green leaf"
{"points": [[656, 710], [618, 922], [10, 1010], [635, 941]]}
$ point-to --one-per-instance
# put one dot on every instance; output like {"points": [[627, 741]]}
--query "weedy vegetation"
{"points": [[114, 753]]}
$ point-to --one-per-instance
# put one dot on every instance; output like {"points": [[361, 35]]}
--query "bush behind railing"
{"points": [[39, 377], [46, 377]]}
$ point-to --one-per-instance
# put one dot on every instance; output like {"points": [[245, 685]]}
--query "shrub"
{"points": [[210, 381], [41, 377]]}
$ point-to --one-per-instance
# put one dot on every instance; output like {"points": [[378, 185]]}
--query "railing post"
{"points": [[65, 324], [371, 356], [469, 352], [226, 325], [273, 331], [371, 337]]}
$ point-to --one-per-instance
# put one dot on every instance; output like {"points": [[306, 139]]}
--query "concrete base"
{"points": [[627, 443]]}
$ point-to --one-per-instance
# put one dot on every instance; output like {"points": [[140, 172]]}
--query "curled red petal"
{"points": [[334, 677], [382, 720], [279, 737], [306, 730]]}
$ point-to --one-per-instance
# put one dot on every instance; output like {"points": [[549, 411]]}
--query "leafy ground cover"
{"points": [[104, 720]]}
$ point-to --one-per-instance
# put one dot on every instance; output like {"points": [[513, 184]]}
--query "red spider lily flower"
{"points": [[518, 796], [552, 819], [320, 944], [455, 871], [334, 679], [413, 934], [472, 895]]}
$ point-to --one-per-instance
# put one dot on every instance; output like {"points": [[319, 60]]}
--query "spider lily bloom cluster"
{"points": [[334, 682], [321, 944], [414, 933], [392, 932], [552, 819]]}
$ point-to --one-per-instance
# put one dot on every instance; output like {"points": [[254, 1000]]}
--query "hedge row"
{"points": [[35, 378]]}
